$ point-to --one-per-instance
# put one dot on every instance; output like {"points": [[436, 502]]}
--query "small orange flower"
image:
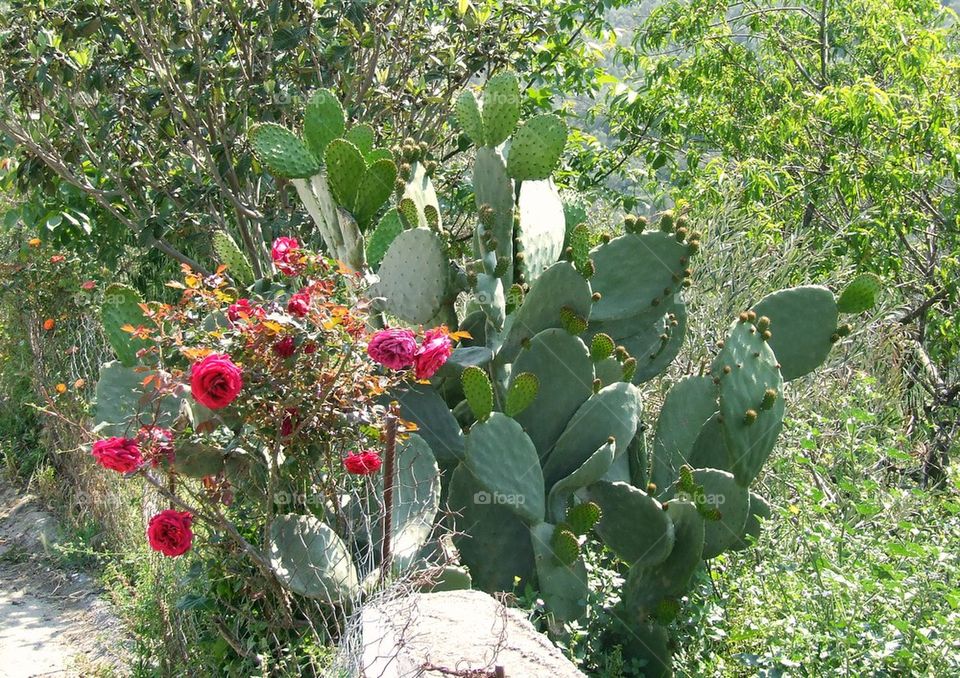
{"points": [[79, 383], [57, 258], [88, 285], [34, 242], [61, 388], [49, 324]]}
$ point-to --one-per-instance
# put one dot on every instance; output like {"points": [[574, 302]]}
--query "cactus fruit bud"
{"points": [[667, 291], [597, 385], [605, 238], [500, 269], [751, 315], [596, 296], [399, 185], [845, 330], [766, 335], [572, 322], [655, 302], [518, 257], [525, 342], [522, 280], [681, 234], [651, 488], [763, 323], [666, 221], [630, 223], [743, 317], [682, 221], [621, 353], [726, 369], [695, 235], [834, 338], [568, 254], [749, 417], [629, 369], [769, 398], [641, 223], [693, 246], [409, 141], [582, 517], [493, 243], [565, 546], [687, 282], [424, 147], [487, 215], [405, 170], [588, 269], [601, 347], [430, 166]]}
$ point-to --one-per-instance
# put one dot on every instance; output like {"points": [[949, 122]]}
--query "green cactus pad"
{"points": [[753, 370], [323, 121], [634, 272], [448, 578], [562, 580], [121, 308], [802, 320], [388, 228], [492, 540], [565, 374], [504, 461], [582, 517], [536, 147], [609, 371], [416, 498], [501, 107], [722, 492], [490, 297], [282, 152], [492, 187], [612, 412], [198, 461], [560, 286], [592, 470], [478, 391], [647, 586], [759, 510], [374, 190], [660, 354], [468, 116], [541, 229], [310, 559], [688, 405], [579, 244], [229, 254], [413, 276], [860, 294], [345, 170], [422, 405], [639, 461], [420, 190], [649, 644], [634, 524], [362, 136], [120, 395], [710, 448], [601, 347], [523, 390]]}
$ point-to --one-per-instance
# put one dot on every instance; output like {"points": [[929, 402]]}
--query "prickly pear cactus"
{"points": [[539, 420]]}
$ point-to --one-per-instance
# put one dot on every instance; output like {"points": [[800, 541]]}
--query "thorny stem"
{"points": [[390, 434]]}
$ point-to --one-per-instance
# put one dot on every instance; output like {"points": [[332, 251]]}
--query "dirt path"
{"points": [[52, 621]]}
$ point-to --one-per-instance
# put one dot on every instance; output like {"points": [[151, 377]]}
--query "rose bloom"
{"points": [[362, 463], [118, 454], [215, 381], [433, 353], [169, 532], [285, 348], [299, 304], [393, 348], [157, 443], [291, 418], [243, 306], [286, 256]]}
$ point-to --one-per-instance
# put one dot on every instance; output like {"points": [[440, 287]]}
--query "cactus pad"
{"points": [[362, 136], [413, 276], [561, 573], [478, 391], [601, 347], [541, 229], [423, 406], [282, 152], [582, 517], [802, 320], [310, 559], [121, 396], [592, 470], [688, 405], [345, 170], [388, 228], [501, 108], [121, 308], [759, 509], [374, 190], [634, 524], [521, 394], [721, 492], [229, 254], [860, 294], [468, 117], [536, 147], [323, 121], [504, 461], [753, 370], [710, 448], [420, 191], [493, 188]]}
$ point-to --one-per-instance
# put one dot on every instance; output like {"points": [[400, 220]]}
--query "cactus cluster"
{"points": [[538, 420]]}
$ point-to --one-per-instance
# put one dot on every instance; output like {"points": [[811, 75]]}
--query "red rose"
{"points": [[169, 532], [157, 443], [285, 348], [299, 304], [362, 463], [118, 454], [310, 347], [291, 418], [393, 348], [215, 381], [242, 307], [433, 353], [287, 256]]}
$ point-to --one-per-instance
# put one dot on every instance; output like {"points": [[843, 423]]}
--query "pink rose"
{"points": [[215, 381], [287, 256], [299, 304], [362, 463], [393, 348], [170, 533], [118, 454], [433, 353], [285, 348], [242, 307], [157, 442]]}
